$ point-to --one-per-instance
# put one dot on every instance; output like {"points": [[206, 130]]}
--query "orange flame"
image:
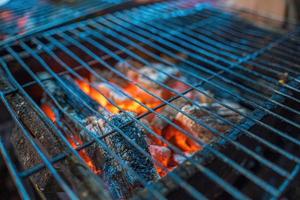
{"points": [[161, 152], [49, 112], [126, 103], [76, 142], [171, 133], [180, 140]]}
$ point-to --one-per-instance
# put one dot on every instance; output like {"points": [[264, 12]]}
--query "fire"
{"points": [[180, 140], [158, 150], [74, 141], [49, 112], [124, 102], [132, 98]]}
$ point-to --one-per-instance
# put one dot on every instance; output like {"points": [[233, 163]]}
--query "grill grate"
{"points": [[252, 66]]}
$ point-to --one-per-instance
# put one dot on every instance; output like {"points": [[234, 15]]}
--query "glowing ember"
{"points": [[124, 102], [180, 140], [129, 97], [74, 141], [49, 112]]}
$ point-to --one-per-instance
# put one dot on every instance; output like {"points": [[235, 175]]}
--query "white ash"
{"points": [[113, 91]]}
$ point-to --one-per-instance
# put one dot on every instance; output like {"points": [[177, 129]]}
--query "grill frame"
{"points": [[254, 55]]}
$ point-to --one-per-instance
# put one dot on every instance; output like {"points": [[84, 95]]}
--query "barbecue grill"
{"points": [[169, 100]]}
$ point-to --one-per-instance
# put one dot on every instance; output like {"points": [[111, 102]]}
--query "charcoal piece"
{"points": [[121, 182], [140, 163], [193, 126], [185, 120], [112, 91], [118, 180], [168, 112], [163, 76], [77, 174], [233, 114], [122, 67]]}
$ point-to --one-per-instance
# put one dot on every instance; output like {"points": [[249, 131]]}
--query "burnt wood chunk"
{"points": [[169, 112], [147, 76], [192, 126], [76, 173], [118, 180], [121, 182], [191, 112]]}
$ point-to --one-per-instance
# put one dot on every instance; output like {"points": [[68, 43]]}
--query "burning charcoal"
{"points": [[169, 112], [228, 114], [161, 154], [77, 110], [192, 126], [122, 183], [76, 174], [68, 100], [112, 91], [118, 180], [208, 119], [155, 75], [123, 67], [201, 97]]}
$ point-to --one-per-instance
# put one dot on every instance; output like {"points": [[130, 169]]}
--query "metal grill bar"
{"points": [[102, 144], [118, 27], [163, 85], [13, 171], [283, 105], [54, 172]]}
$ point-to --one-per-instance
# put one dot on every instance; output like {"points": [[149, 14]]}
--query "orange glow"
{"points": [[76, 142], [170, 133], [181, 140], [162, 155], [105, 94], [49, 112], [124, 102]]}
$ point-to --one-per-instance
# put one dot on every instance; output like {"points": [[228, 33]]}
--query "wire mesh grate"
{"points": [[215, 51]]}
